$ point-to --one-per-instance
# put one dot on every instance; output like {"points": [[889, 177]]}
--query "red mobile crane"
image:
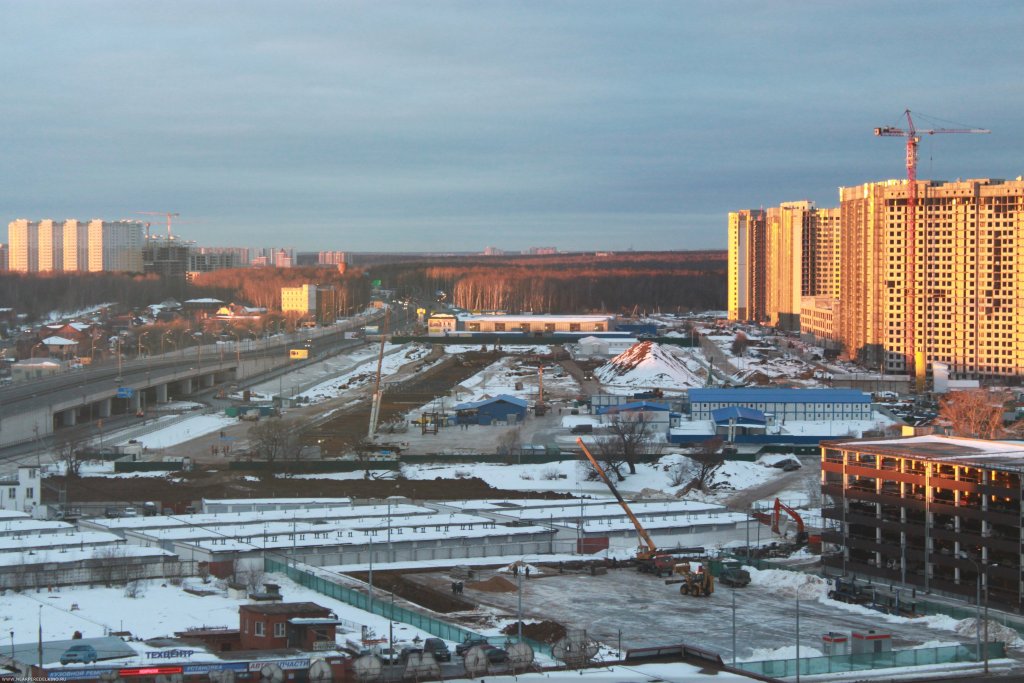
{"points": [[648, 557], [915, 353]]}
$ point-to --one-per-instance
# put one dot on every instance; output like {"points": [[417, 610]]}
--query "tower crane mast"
{"points": [[913, 348]]}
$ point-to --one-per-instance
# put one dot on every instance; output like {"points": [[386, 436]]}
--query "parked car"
{"points": [[495, 655], [735, 577], [465, 646], [79, 653], [438, 648], [410, 650], [388, 655]]}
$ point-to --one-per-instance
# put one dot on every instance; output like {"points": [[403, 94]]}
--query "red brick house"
{"points": [[286, 624]]}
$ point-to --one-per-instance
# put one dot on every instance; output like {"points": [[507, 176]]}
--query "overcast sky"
{"points": [[402, 126]]}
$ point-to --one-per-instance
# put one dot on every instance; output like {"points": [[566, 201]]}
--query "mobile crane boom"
{"points": [[642, 553]]}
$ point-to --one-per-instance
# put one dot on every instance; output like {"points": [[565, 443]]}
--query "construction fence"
{"points": [[308, 577]]}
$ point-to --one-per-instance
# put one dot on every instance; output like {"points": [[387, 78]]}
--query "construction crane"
{"points": [[167, 214], [912, 348], [649, 558], [377, 392]]}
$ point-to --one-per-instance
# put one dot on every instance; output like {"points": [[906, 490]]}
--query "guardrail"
{"points": [[925, 656]]}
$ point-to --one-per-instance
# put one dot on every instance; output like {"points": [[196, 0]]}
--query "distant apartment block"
{"points": [[116, 245], [206, 259], [51, 246], [3, 257], [301, 299], [76, 245], [746, 265], [848, 268], [331, 258], [167, 258], [23, 245]]}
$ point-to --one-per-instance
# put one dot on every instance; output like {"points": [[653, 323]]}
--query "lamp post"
{"points": [[118, 378], [977, 603], [987, 567], [798, 640]]}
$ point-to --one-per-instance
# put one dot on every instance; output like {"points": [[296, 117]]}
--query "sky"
{"points": [[452, 126]]}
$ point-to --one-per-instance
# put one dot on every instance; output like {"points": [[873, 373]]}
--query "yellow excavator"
{"points": [[648, 558]]}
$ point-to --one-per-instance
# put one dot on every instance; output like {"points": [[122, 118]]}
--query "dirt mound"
{"points": [[495, 584], [544, 631]]}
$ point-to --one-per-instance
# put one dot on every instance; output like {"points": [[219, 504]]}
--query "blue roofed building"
{"points": [[501, 408], [780, 405]]}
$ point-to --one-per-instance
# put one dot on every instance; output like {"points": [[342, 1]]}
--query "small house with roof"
{"points": [[502, 408]]}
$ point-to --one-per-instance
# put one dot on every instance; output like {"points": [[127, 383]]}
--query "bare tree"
{"points": [[708, 458], [510, 442], [976, 413], [740, 344], [68, 450], [630, 435], [275, 438]]}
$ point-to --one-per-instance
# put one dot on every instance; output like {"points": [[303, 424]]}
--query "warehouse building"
{"points": [[780, 405]]}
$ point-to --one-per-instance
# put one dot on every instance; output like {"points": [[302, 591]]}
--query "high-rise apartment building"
{"points": [[746, 265], [969, 281], [51, 245], [76, 245], [331, 258], [789, 274], [23, 245], [116, 245]]}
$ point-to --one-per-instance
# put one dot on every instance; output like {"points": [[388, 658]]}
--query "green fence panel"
{"points": [[383, 608], [949, 654]]}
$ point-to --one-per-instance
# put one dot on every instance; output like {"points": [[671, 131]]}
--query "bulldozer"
{"points": [[696, 582]]}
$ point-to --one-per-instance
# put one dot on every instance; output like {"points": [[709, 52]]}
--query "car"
{"points": [[388, 655], [438, 648], [735, 577], [410, 650], [495, 655], [79, 653], [791, 466], [465, 646]]}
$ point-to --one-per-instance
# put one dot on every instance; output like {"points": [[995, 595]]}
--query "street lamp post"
{"points": [[119, 377], [987, 567], [977, 603]]}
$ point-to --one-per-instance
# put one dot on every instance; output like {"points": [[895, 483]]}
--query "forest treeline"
{"points": [[564, 283], [38, 294]]}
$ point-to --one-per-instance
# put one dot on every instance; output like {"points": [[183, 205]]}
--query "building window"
{"points": [[499, 327], [12, 492], [29, 493], [257, 629], [279, 629]]}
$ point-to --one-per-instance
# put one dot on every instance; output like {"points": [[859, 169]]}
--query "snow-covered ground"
{"points": [[185, 429], [647, 365]]}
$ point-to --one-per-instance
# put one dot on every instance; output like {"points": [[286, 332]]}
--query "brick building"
{"points": [[286, 624]]}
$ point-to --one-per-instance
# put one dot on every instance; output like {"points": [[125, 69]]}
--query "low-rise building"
{"points": [[936, 512], [785, 404]]}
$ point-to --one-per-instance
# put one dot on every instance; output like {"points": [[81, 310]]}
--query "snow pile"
{"points": [[996, 631], [647, 365], [761, 654], [790, 584]]}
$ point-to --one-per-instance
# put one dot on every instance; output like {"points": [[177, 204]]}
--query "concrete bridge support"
{"points": [[69, 418], [161, 393], [103, 407]]}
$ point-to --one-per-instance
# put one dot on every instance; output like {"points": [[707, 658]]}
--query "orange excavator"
{"points": [[775, 517], [648, 557]]}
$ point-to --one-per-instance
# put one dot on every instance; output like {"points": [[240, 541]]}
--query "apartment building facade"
{"points": [[72, 245], [929, 511], [968, 301], [746, 265], [301, 299]]}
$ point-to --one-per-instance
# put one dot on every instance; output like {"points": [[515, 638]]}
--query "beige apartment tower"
{"points": [[969, 276], [746, 265], [116, 245]]}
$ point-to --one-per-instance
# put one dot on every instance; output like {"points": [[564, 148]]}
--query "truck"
{"points": [[847, 590], [648, 558], [298, 354]]}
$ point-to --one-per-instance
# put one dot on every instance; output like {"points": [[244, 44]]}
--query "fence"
{"points": [[925, 656], [382, 607]]}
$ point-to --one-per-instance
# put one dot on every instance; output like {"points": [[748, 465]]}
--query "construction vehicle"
{"points": [[734, 577], [847, 590], [696, 582], [773, 520], [648, 558]]}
